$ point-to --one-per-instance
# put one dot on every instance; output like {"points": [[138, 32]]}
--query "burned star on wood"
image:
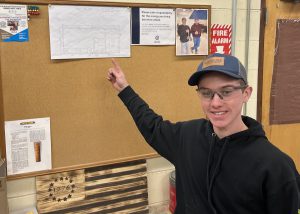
{"points": [[61, 186]]}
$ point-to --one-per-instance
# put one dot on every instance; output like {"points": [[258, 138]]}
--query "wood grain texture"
{"points": [[116, 188]]}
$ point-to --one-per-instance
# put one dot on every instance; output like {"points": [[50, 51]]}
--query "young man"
{"points": [[196, 30], [184, 36], [224, 164]]}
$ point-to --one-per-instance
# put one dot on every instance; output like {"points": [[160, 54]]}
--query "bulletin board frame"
{"points": [[89, 124]]}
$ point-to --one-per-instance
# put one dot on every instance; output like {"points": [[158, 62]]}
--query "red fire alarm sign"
{"points": [[221, 39]]}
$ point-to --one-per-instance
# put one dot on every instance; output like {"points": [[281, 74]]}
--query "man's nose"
{"points": [[216, 93], [216, 99]]}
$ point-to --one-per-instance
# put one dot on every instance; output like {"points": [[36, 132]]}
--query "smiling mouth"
{"points": [[219, 113]]}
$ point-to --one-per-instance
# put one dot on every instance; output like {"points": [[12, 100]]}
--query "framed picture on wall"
{"points": [[192, 31]]}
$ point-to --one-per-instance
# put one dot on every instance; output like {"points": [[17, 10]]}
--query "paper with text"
{"points": [[13, 23], [28, 145]]}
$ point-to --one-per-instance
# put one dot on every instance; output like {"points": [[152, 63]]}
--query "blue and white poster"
{"points": [[13, 23]]}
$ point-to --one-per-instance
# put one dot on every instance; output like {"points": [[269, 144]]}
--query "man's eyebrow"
{"points": [[202, 88], [224, 86], [230, 85]]}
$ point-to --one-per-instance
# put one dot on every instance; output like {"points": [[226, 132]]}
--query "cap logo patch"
{"points": [[213, 61]]}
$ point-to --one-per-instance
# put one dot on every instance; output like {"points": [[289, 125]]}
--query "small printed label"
{"points": [[214, 61]]}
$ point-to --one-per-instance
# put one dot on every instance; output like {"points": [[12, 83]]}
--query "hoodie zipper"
{"points": [[210, 180]]}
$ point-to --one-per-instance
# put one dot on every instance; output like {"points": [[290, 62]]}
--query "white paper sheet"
{"points": [[28, 145], [89, 31], [157, 26]]}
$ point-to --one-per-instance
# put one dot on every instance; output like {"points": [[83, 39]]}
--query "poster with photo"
{"points": [[192, 32], [13, 23]]}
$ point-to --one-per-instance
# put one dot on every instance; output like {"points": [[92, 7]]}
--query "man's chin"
{"points": [[218, 124]]}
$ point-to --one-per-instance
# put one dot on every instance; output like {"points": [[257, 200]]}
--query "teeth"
{"points": [[219, 113]]}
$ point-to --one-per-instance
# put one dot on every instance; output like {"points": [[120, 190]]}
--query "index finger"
{"points": [[115, 63]]}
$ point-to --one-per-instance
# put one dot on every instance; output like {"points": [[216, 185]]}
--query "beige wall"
{"points": [[22, 193]]}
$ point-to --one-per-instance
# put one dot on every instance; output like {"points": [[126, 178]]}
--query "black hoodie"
{"points": [[240, 174]]}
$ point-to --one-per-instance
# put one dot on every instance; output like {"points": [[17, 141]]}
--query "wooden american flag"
{"points": [[115, 188]]}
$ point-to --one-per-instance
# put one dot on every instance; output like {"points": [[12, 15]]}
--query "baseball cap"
{"points": [[222, 63]]}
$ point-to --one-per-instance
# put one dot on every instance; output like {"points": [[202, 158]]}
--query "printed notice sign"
{"points": [[157, 26], [28, 145], [13, 23]]}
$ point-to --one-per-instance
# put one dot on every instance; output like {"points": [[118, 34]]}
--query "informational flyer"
{"points": [[89, 31], [28, 145], [153, 26], [13, 23]]}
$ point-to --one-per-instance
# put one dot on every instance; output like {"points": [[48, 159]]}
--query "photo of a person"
{"points": [[192, 33], [196, 30], [13, 25], [184, 32]]}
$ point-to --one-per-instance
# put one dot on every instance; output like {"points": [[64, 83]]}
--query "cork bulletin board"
{"points": [[90, 126], [285, 100]]}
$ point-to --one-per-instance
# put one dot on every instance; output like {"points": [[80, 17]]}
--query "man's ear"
{"points": [[247, 93]]}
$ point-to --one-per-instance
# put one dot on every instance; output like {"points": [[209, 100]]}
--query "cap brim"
{"points": [[195, 78]]}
